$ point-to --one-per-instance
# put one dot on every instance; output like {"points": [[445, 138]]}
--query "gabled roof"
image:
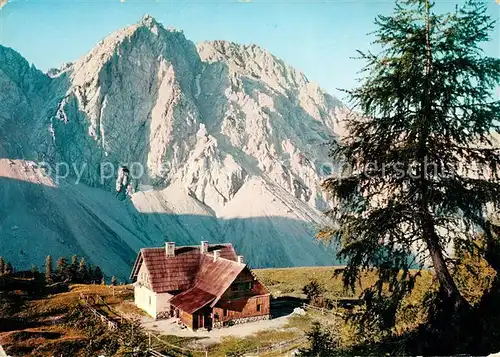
{"points": [[183, 270], [215, 277], [212, 280], [192, 300]]}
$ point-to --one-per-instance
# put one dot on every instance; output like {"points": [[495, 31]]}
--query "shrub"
{"points": [[314, 292], [323, 342]]}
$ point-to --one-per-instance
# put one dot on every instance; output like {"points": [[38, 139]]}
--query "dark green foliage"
{"points": [[420, 164], [2, 266], [76, 272], [73, 268], [62, 270], [314, 292], [97, 276], [83, 271], [323, 342], [90, 274]]}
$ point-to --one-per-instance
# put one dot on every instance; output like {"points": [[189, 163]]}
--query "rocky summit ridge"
{"points": [[232, 141]]}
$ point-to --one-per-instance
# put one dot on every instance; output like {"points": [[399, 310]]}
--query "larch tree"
{"points": [[73, 268], [62, 269], [419, 161], [83, 273], [48, 269]]}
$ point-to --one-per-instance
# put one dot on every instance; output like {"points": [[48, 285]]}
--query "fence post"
{"points": [[149, 340]]}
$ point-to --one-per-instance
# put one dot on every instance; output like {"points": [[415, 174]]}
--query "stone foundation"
{"points": [[239, 321], [163, 315]]}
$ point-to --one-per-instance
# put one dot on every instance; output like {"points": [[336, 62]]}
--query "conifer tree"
{"points": [[73, 269], [62, 269], [421, 166], [83, 274], [90, 274], [48, 269], [97, 276], [2, 266], [34, 271], [113, 280]]}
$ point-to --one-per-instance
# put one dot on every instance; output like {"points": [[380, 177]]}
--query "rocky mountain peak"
{"points": [[149, 21], [254, 61], [221, 130]]}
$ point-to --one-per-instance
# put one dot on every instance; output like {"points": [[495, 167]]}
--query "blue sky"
{"points": [[318, 38]]}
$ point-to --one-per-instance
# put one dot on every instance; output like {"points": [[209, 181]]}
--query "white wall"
{"points": [[163, 302], [147, 299]]}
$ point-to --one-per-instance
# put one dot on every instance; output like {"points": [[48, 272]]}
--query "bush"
{"points": [[314, 292], [323, 342]]}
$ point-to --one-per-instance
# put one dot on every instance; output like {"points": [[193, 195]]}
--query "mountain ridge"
{"points": [[216, 126]]}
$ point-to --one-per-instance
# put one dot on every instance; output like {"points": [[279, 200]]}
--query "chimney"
{"points": [[216, 255], [170, 249], [240, 259], [204, 247]]}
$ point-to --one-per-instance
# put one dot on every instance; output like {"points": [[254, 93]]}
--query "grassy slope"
{"points": [[41, 329], [290, 281], [46, 330]]}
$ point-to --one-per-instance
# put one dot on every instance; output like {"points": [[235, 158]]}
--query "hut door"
{"points": [[204, 320], [208, 321]]}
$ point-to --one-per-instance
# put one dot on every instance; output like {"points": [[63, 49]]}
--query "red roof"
{"points": [[183, 270], [192, 300], [215, 277], [212, 280]]}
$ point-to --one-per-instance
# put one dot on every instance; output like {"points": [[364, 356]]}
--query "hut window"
{"points": [[259, 307], [225, 312]]}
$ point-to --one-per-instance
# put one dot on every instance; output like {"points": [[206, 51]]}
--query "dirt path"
{"points": [[170, 327]]}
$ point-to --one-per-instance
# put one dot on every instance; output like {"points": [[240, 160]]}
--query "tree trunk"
{"points": [[450, 294], [447, 285]]}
